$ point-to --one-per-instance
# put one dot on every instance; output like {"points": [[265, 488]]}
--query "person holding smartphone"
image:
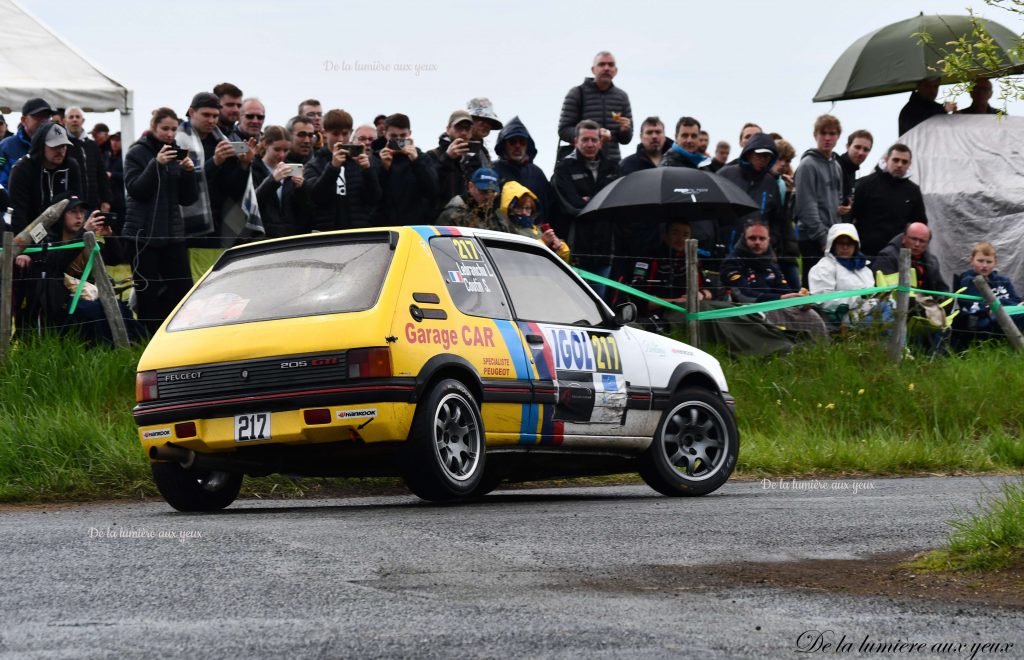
{"points": [[159, 179], [339, 179], [280, 186]]}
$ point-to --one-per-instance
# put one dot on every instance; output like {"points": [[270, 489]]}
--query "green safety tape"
{"points": [[82, 280], [68, 246], [628, 289]]}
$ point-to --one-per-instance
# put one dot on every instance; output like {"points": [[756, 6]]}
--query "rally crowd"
{"points": [[191, 186]]}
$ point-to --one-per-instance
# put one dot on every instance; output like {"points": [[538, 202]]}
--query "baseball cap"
{"points": [[57, 136], [36, 106], [485, 179], [482, 108], [458, 117], [205, 100], [74, 201]]}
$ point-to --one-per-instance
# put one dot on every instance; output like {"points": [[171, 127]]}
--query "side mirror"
{"points": [[625, 313]]}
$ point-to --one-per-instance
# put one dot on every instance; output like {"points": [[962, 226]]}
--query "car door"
{"points": [[588, 372]]}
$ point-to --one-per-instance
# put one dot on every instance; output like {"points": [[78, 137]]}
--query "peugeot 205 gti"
{"points": [[452, 357]]}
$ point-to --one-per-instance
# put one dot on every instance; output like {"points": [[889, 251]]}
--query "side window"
{"points": [[541, 291], [469, 277]]}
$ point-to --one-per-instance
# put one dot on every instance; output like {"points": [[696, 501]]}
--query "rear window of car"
{"points": [[306, 280]]}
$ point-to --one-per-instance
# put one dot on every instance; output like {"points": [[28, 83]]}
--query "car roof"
{"points": [[425, 231]]}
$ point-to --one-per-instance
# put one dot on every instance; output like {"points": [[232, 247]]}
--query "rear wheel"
{"points": [[196, 490], [695, 447], [444, 456]]}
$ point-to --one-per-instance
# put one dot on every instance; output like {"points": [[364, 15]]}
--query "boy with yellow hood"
{"points": [[519, 209]]}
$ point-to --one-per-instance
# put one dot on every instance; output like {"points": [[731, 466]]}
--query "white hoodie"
{"points": [[829, 275]]}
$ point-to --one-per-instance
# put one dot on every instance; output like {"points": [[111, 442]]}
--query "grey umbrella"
{"points": [[891, 59]]}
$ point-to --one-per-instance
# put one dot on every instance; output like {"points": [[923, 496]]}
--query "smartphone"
{"points": [[180, 154], [353, 149], [397, 144], [109, 217], [544, 227], [474, 147], [239, 147], [296, 169]]}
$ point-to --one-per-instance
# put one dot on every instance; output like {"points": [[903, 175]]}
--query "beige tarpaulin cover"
{"points": [[971, 172], [36, 62]]}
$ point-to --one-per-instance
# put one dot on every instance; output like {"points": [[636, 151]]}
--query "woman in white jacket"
{"points": [[843, 268]]}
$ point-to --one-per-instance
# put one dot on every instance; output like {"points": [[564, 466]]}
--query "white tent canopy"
{"points": [[35, 61]]}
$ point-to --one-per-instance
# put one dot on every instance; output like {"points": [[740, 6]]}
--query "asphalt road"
{"points": [[540, 573]]}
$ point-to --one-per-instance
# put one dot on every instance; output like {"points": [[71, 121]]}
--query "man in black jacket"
{"points": [[336, 179], [43, 174], [858, 146], [408, 182], [921, 105], [451, 158], [653, 144], [577, 178], [886, 201], [90, 161], [598, 100]]}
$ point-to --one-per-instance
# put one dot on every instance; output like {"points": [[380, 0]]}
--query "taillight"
{"points": [[185, 430], [145, 386], [369, 363], [317, 416]]}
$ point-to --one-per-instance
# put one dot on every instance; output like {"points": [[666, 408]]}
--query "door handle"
{"points": [[534, 339]]}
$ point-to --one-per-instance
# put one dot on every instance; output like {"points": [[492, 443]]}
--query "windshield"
{"points": [[302, 281]]}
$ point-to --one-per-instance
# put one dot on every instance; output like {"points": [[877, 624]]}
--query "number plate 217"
{"points": [[253, 426]]}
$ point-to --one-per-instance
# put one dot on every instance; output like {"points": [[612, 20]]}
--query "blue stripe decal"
{"points": [[425, 231], [528, 415]]}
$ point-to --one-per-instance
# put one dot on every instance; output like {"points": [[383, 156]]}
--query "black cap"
{"points": [[36, 106], [205, 100], [99, 128], [73, 200]]}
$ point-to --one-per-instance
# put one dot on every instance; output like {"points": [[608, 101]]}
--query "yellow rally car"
{"points": [[452, 357]]}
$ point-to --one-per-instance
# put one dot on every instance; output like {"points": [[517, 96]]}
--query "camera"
{"points": [[353, 149]]}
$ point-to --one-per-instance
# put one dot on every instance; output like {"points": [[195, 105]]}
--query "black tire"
{"points": [[695, 447], [196, 490], [443, 458]]}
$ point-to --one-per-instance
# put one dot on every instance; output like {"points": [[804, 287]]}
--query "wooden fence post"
{"points": [[6, 293], [108, 299], [1005, 322], [692, 291], [899, 333]]}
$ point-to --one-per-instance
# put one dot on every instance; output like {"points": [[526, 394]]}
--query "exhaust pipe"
{"points": [[173, 453], [189, 460]]}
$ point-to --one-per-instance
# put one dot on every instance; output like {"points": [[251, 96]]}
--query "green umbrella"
{"points": [[891, 60]]}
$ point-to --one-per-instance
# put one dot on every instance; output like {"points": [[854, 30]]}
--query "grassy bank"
{"points": [[66, 430]]}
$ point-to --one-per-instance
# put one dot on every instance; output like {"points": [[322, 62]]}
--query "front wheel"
{"points": [[695, 447], [444, 455], [196, 490]]}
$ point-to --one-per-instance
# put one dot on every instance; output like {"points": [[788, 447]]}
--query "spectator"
{"points": [[783, 171], [90, 162], [408, 182], [703, 142], [484, 121], [753, 174], [519, 211], [250, 122], [516, 152], [115, 173], [887, 200], [749, 130], [653, 144], [858, 146], [312, 110], [335, 177], [219, 177], [843, 268], [915, 238], [55, 275], [981, 94], [577, 178], [722, 150], [301, 134], [451, 159], [662, 273], [686, 150], [44, 173], [753, 275], [476, 207], [4, 130], [378, 124], [34, 113], [101, 135], [363, 215], [365, 135], [819, 183], [159, 188], [230, 98], [280, 192], [922, 105], [976, 319], [600, 101]]}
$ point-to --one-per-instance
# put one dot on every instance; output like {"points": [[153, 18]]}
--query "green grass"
{"points": [[66, 430], [992, 539]]}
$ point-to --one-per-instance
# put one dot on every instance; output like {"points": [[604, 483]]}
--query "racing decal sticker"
{"points": [[575, 397], [154, 434], [362, 413], [584, 350], [514, 343]]}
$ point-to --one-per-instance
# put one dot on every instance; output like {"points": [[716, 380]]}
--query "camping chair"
{"points": [[927, 318]]}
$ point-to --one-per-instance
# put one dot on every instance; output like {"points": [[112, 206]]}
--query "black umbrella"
{"points": [[663, 194]]}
